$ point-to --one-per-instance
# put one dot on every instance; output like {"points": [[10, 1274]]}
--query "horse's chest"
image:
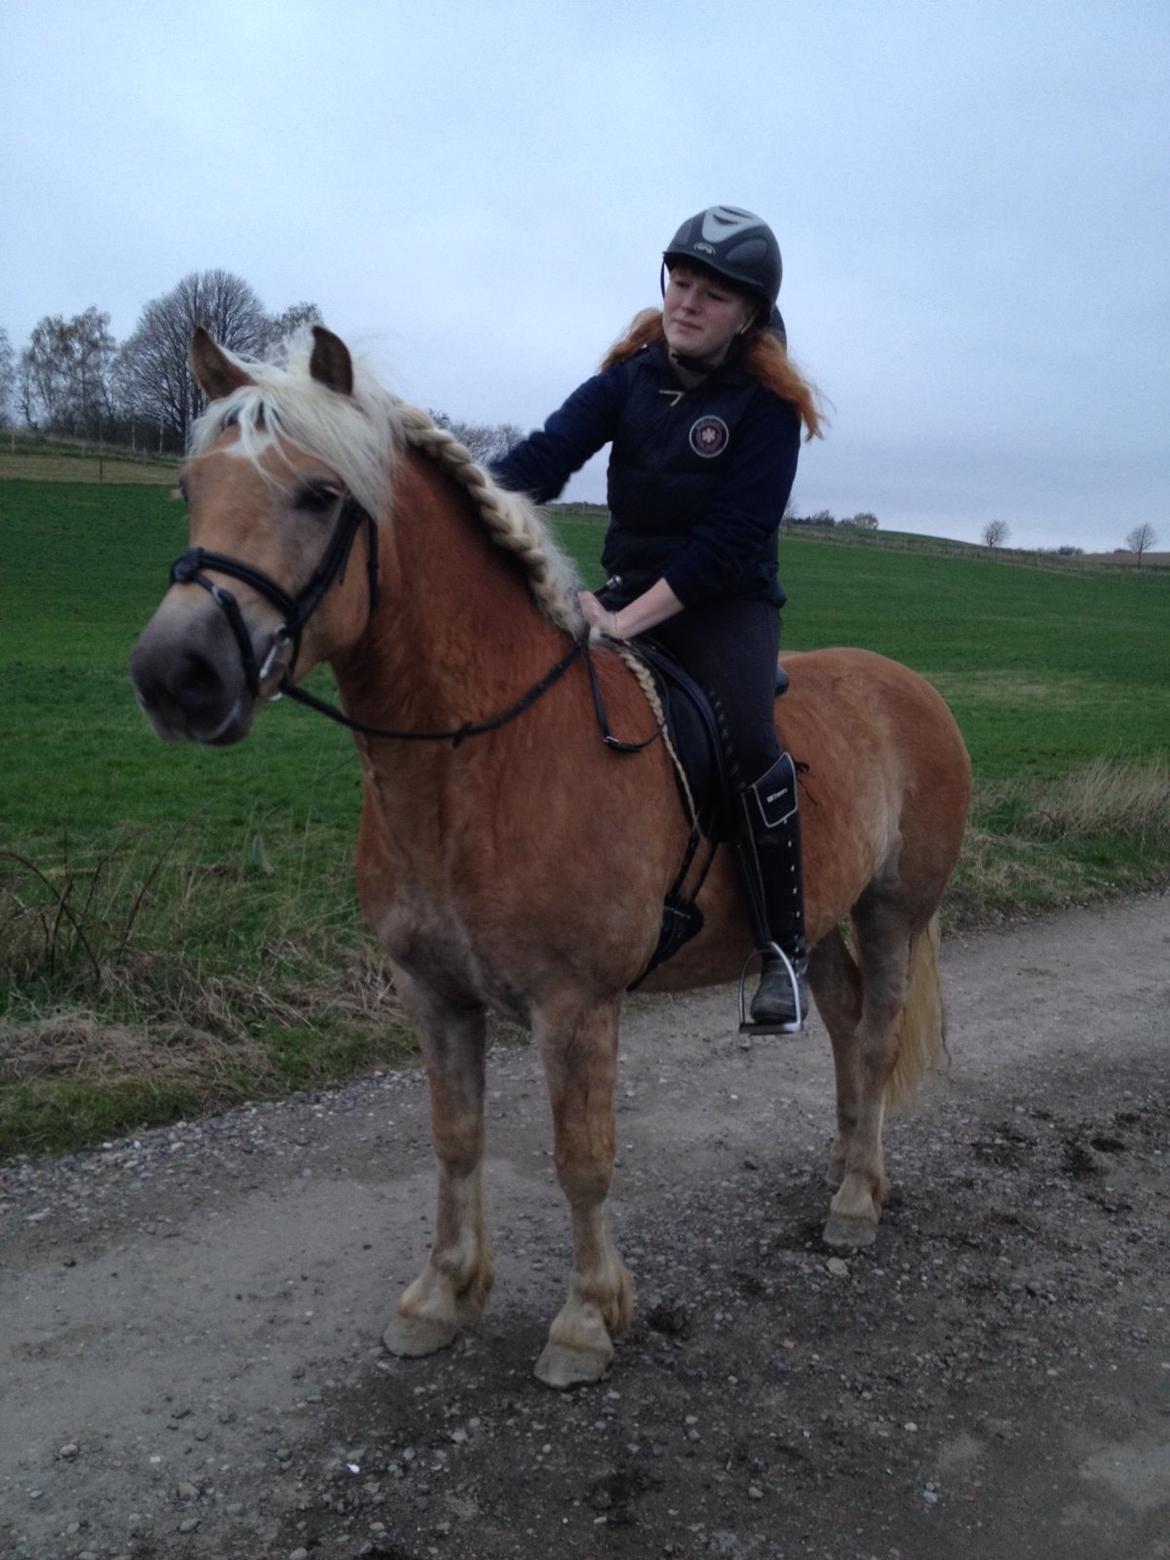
{"points": [[439, 949]]}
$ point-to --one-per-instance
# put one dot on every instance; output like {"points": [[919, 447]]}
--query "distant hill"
{"points": [[913, 541]]}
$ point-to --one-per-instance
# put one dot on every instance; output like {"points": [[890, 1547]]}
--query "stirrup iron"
{"points": [[751, 1026]]}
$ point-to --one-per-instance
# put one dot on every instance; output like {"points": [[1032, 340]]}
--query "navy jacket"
{"points": [[698, 479]]}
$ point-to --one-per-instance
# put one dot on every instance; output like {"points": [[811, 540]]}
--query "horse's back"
{"points": [[852, 704]]}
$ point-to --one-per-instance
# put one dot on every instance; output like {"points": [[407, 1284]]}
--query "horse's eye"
{"points": [[317, 498]]}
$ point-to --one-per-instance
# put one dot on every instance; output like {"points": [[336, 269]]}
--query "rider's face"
{"points": [[701, 315]]}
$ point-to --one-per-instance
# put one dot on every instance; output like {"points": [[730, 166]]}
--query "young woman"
{"points": [[703, 410]]}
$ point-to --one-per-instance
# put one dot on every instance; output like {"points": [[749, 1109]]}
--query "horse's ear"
{"points": [[331, 362], [214, 371]]}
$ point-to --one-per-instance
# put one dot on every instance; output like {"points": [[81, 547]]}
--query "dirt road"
{"points": [[190, 1322]]}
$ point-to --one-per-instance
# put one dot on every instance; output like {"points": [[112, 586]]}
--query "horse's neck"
{"points": [[457, 635]]}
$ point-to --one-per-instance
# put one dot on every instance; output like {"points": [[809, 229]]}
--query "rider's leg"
{"points": [[730, 647], [769, 850]]}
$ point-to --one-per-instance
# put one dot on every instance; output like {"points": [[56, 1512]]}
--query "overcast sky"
{"points": [[973, 202]]}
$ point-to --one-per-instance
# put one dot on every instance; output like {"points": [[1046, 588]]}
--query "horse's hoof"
{"points": [[846, 1229], [411, 1337], [560, 1367]]}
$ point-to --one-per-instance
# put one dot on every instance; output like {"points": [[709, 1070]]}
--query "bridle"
{"points": [[297, 610]]}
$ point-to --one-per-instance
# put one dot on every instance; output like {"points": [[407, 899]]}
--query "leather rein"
{"points": [[282, 655]]}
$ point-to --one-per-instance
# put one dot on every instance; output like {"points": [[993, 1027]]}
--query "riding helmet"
{"points": [[734, 243]]}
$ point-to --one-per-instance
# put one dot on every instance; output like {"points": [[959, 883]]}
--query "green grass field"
{"points": [[177, 925]]}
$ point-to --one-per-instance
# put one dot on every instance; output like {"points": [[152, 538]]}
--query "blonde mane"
{"points": [[361, 437]]}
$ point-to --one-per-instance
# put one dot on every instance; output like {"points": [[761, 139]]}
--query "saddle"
{"points": [[698, 734]]}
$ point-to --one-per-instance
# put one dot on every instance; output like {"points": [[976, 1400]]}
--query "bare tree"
{"points": [[995, 533], [156, 389], [485, 441], [65, 374], [155, 385], [1141, 539], [865, 521], [281, 325], [7, 379]]}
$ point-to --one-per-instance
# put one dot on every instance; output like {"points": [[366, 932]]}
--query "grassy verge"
{"points": [[1033, 847], [140, 985]]}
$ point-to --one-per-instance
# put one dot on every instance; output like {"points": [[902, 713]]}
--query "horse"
{"points": [[508, 860]]}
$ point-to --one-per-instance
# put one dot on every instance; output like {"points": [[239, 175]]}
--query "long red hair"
{"points": [[761, 354]]}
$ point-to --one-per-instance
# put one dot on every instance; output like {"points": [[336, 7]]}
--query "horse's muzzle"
{"points": [[188, 679]]}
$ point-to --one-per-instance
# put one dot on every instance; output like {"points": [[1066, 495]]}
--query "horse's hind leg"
{"points": [[836, 987], [579, 1045], [453, 1287], [885, 939]]}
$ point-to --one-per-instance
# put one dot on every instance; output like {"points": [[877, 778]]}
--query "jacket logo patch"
{"points": [[709, 436]]}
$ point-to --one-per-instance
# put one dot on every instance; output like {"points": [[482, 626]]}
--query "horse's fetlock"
{"points": [[610, 1294]]}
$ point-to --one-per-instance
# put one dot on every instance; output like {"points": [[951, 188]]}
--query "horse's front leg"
{"points": [[578, 1044], [454, 1285]]}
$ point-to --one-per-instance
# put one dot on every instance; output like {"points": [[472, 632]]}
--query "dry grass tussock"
{"points": [[146, 941], [80, 1047], [1106, 798], [1036, 846], [358, 987]]}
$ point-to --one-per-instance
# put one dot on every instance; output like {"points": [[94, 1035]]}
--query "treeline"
{"points": [[74, 379], [826, 519], [484, 441]]}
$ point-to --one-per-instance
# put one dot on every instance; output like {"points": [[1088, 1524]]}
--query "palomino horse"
{"points": [[524, 868]]}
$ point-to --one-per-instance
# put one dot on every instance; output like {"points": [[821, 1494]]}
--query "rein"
{"points": [[187, 570]]}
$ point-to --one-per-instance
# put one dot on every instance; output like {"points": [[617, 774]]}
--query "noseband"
{"points": [[298, 609]]}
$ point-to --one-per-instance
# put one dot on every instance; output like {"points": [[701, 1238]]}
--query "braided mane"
{"points": [[361, 437]]}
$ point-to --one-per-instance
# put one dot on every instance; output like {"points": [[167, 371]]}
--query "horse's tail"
{"points": [[921, 1046]]}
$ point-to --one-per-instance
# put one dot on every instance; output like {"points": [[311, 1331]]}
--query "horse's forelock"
{"points": [[358, 435]]}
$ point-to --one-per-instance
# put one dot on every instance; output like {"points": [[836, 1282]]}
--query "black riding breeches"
{"points": [[730, 648]]}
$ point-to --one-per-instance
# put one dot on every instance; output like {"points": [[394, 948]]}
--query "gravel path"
{"points": [[190, 1356]]}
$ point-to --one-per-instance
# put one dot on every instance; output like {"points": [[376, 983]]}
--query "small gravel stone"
{"points": [[299, 1554], [188, 1524], [69, 1450], [838, 1267]]}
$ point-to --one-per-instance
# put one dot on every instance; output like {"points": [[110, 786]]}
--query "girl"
{"points": [[703, 411]]}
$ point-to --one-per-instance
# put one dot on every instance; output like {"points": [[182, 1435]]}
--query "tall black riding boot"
{"points": [[769, 853]]}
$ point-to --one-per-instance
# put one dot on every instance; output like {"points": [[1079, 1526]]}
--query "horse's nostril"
{"points": [[199, 688]]}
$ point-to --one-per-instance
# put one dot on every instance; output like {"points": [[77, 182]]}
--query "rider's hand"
{"points": [[598, 616]]}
